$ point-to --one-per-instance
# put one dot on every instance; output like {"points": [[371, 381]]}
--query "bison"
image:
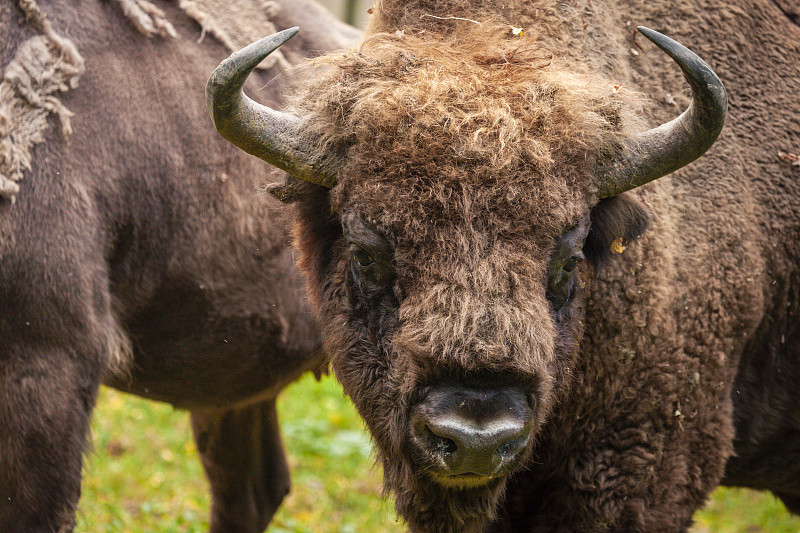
{"points": [[541, 332], [139, 252]]}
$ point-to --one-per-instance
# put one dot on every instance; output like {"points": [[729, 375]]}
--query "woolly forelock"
{"points": [[484, 104]]}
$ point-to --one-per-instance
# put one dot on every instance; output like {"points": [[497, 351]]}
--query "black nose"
{"points": [[471, 433]]}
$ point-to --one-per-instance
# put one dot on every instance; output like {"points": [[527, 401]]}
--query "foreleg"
{"points": [[46, 398], [243, 457]]}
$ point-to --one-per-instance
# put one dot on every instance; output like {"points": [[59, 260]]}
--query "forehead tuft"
{"points": [[487, 118]]}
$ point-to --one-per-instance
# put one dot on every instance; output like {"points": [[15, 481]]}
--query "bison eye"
{"points": [[371, 261], [371, 275], [571, 263], [567, 255], [561, 286], [362, 257]]}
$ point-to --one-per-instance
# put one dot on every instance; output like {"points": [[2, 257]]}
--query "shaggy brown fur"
{"points": [[47, 64], [238, 23], [146, 229], [484, 109], [148, 18], [468, 148], [44, 65]]}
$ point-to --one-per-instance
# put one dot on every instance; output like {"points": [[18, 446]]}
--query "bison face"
{"points": [[452, 324], [473, 371], [449, 194]]}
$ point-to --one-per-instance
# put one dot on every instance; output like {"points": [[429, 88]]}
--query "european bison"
{"points": [[539, 336], [139, 252]]}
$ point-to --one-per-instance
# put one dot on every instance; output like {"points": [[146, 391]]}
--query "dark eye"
{"points": [[571, 263], [362, 257]]}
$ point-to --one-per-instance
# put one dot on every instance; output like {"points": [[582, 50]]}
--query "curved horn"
{"points": [[657, 152], [275, 137]]}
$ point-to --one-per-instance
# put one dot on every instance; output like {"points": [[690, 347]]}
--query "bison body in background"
{"points": [[532, 347], [139, 251]]}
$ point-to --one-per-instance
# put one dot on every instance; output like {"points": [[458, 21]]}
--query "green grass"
{"points": [[144, 474], [733, 510]]}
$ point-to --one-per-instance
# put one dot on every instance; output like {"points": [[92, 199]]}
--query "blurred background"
{"points": [[144, 474], [351, 11]]}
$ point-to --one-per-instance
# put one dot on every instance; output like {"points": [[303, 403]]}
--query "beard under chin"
{"points": [[432, 508]]}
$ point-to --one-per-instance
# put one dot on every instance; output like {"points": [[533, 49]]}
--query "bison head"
{"points": [[447, 198]]}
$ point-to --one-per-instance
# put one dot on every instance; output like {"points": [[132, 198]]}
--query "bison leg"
{"points": [[243, 456], [46, 398]]}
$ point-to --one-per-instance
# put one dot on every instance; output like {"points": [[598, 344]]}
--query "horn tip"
{"points": [[271, 42], [656, 37], [290, 32]]}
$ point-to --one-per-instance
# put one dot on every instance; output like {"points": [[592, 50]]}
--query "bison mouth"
{"points": [[467, 437], [464, 481]]}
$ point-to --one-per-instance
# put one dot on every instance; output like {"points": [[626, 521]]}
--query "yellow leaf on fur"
{"points": [[618, 246]]}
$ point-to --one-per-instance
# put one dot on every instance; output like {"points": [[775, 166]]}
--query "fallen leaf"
{"points": [[619, 245], [794, 159]]}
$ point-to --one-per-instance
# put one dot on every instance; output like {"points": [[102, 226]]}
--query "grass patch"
{"points": [[734, 510], [145, 476]]}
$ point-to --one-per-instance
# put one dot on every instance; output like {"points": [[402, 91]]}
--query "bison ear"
{"points": [[615, 221]]}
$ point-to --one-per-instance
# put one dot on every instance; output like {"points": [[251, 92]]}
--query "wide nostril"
{"points": [[467, 447], [511, 447], [487, 438], [438, 444], [462, 432]]}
